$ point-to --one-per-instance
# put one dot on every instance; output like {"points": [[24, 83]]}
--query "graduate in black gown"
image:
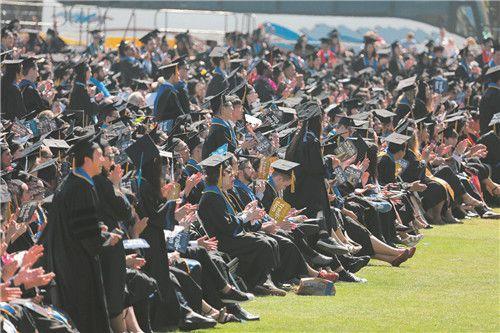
{"points": [[219, 219], [221, 132], [80, 99], [74, 241], [219, 80], [491, 100], [31, 96], [12, 99], [167, 103], [114, 211]]}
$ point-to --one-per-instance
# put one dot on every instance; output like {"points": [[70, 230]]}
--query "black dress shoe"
{"points": [[241, 313], [236, 296], [356, 263], [331, 247], [321, 261], [195, 321], [346, 276]]}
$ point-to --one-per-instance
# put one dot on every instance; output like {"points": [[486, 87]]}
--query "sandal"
{"points": [[225, 317]]}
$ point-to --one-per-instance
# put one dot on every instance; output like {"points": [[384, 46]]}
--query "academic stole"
{"points": [[227, 127], [230, 209]]}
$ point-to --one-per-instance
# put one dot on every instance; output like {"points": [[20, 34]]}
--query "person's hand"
{"points": [[32, 255], [251, 205], [98, 97], [270, 228], [184, 210], [417, 186], [286, 225], [173, 257], [436, 161], [135, 262], [8, 294], [297, 218], [260, 187], [116, 175], [461, 147], [187, 220], [348, 162], [210, 244], [255, 214], [114, 238], [363, 165], [32, 277], [166, 190], [335, 161], [426, 152], [139, 226], [480, 153], [370, 187], [350, 214], [192, 181], [49, 96], [10, 266], [443, 149]]}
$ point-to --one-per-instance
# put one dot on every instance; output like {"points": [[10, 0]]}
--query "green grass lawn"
{"points": [[451, 284]]}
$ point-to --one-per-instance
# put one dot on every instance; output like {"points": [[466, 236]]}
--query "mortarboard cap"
{"points": [[142, 151], [216, 101], [308, 111], [397, 138], [284, 166], [214, 160], [407, 84], [218, 52], [495, 120], [168, 70], [383, 113]]}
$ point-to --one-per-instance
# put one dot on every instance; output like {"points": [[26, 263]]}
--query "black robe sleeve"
{"points": [[216, 138], [216, 220], [33, 101], [268, 198], [169, 106], [80, 100], [386, 170], [12, 102]]}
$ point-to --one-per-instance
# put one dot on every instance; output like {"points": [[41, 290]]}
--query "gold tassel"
{"points": [[219, 182], [292, 186], [244, 95], [73, 164], [456, 126], [126, 168]]}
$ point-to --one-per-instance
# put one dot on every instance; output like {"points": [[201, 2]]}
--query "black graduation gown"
{"points": [[169, 106], [217, 84], [112, 208], [130, 71], [12, 102], [72, 244], [217, 136], [310, 188], [386, 168], [79, 99], [33, 101], [183, 96], [264, 90], [195, 194], [489, 106], [254, 253], [165, 307]]}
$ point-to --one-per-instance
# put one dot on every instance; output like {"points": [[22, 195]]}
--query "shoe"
{"points": [[226, 317], [236, 296], [490, 215], [321, 261], [330, 276], [331, 247], [260, 290], [275, 291], [403, 228], [357, 264], [401, 258], [241, 313], [194, 321], [346, 276], [412, 240]]}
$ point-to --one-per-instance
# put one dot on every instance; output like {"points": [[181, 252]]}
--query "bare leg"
{"points": [[131, 321], [311, 271], [118, 323], [384, 249]]}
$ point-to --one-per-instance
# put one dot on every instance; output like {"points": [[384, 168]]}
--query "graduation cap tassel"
{"points": [[292, 186], [8, 211], [73, 164], [219, 182], [126, 168], [139, 172]]}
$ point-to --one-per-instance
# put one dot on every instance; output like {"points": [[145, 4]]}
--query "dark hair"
{"points": [[27, 66], [86, 151], [81, 73], [371, 154], [151, 171], [11, 73], [393, 148], [312, 125]]}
